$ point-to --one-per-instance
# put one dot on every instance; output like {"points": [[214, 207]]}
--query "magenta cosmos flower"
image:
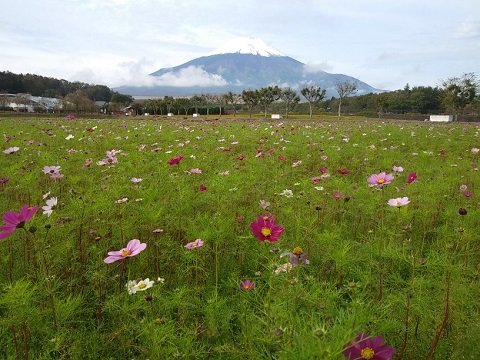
{"points": [[134, 247], [380, 179], [14, 221], [364, 347], [247, 285], [175, 160], [194, 244], [266, 229], [399, 202]]}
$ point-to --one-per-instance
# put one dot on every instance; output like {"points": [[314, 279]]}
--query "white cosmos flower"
{"points": [[287, 193], [51, 204], [144, 284], [131, 286]]}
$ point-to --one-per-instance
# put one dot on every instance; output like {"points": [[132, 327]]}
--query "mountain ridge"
{"points": [[245, 63]]}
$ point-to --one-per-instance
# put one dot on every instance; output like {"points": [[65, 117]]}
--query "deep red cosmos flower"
{"points": [[266, 229], [412, 177], [175, 160]]}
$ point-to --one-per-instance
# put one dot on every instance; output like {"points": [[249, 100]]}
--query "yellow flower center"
{"points": [[380, 181], [297, 251], [266, 231], [265, 217], [367, 353], [194, 244], [142, 286], [246, 287], [126, 252], [399, 203]]}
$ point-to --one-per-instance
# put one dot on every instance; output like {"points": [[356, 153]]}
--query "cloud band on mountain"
{"points": [[189, 76]]}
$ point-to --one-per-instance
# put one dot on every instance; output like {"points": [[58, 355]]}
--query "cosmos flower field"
{"points": [[148, 238]]}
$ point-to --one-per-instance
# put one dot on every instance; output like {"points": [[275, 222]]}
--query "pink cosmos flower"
{"points": [[51, 170], [136, 180], [264, 204], [412, 177], [399, 202], [202, 188], [297, 257], [397, 168], [463, 187], [380, 179], [88, 162], [14, 221], [343, 171], [337, 196], [11, 150], [194, 244], [475, 150], [364, 347], [4, 180], [196, 171], [467, 194], [175, 160], [247, 285], [134, 247], [266, 229]]}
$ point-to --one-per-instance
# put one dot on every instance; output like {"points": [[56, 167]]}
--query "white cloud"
{"points": [[312, 68], [468, 29], [189, 76]]}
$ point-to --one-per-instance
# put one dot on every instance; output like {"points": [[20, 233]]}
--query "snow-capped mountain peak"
{"points": [[247, 45]]}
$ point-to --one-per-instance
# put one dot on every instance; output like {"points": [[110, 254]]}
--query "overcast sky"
{"points": [[385, 43]]}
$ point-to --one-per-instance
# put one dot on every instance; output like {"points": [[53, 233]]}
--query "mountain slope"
{"points": [[245, 63]]}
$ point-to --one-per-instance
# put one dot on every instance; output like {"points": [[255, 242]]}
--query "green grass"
{"points": [[373, 268]]}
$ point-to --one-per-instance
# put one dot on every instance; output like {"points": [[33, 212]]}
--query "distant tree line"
{"points": [[37, 85], [456, 95]]}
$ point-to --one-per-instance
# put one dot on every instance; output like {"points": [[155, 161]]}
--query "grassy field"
{"points": [[215, 204]]}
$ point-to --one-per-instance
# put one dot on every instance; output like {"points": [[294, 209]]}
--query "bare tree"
{"points": [[344, 89], [290, 98], [208, 100], [220, 99], [313, 94], [233, 99]]}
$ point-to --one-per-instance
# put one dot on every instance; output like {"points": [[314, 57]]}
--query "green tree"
{"points": [[313, 94], [183, 103], [121, 99], [458, 92], [250, 99], [196, 101], [268, 95], [78, 102]]}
